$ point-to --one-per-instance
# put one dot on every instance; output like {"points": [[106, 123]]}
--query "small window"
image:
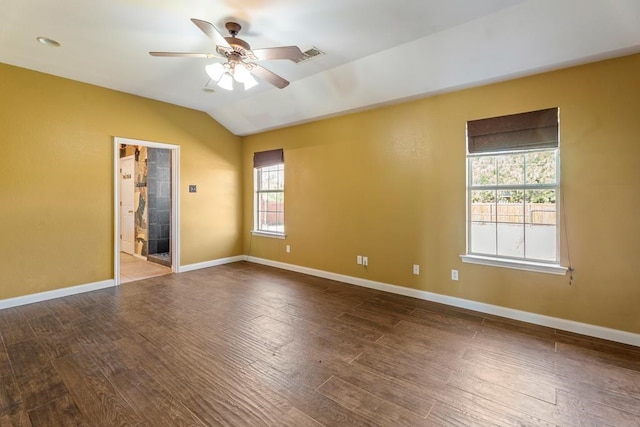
{"points": [[269, 193], [513, 186]]}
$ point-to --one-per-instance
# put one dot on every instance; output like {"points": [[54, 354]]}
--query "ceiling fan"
{"points": [[237, 52]]}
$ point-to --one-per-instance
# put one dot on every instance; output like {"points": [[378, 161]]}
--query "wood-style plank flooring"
{"points": [[247, 345]]}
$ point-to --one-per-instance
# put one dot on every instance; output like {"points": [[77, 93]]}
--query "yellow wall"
{"points": [[387, 183], [56, 179], [390, 184]]}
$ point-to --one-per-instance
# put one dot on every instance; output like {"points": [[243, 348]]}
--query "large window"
{"points": [[512, 199], [513, 186], [269, 192]]}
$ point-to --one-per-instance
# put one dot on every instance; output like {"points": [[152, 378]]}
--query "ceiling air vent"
{"points": [[308, 54]]}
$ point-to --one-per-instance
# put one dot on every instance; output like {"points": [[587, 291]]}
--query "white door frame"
{"points": [[124, 245], [175, 200]]}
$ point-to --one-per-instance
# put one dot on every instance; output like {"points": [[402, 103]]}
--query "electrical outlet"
{"points": [[288, 248], [454, 274], [416, 269], [365, 260], [359, 260]]}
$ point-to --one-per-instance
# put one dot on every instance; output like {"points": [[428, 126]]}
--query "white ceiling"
{"points": [[376, 51]]}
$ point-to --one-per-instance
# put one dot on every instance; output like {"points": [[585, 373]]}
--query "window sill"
{"points": [[267, 234], [538, 267]]}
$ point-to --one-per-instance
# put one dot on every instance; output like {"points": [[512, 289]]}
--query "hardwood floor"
{"points": [[243, 344]]}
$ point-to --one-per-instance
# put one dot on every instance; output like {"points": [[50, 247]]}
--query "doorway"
{"points": [[146, 194]]}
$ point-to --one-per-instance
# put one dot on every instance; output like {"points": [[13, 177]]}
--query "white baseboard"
{"points": [[213, 263], [537, 319], [56, 293], [72, 290]]}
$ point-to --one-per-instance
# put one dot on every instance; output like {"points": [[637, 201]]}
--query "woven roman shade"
{"points": [[524, 131], [263, 159]]}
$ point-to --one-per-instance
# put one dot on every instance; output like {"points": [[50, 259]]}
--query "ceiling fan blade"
{"points": [[211, 32], [185, 55], [285, 52], [267, 75]]}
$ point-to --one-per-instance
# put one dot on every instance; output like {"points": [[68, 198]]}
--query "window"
{"points": [[512, 191], [269, 193]]}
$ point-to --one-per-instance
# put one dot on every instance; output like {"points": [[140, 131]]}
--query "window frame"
{"points": [[257, 192], [522, 133]]}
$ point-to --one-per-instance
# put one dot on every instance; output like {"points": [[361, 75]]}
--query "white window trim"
{"points": [[517, 264], [267, 234], [255, 231]]}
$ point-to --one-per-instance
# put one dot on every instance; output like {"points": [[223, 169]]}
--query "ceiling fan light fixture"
{"points": [[249, 82], [225, 74], [226, 81], [215, 71], [240, 73]]}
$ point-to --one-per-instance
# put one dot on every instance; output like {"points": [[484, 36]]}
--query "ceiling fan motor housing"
{"points": [[238, 44], [233, 28]]}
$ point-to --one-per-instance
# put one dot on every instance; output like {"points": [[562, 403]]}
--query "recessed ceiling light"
{"points": [[49, 42]]}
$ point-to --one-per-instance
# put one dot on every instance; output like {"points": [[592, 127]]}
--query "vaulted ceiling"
{"points": [[375, 51]]}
